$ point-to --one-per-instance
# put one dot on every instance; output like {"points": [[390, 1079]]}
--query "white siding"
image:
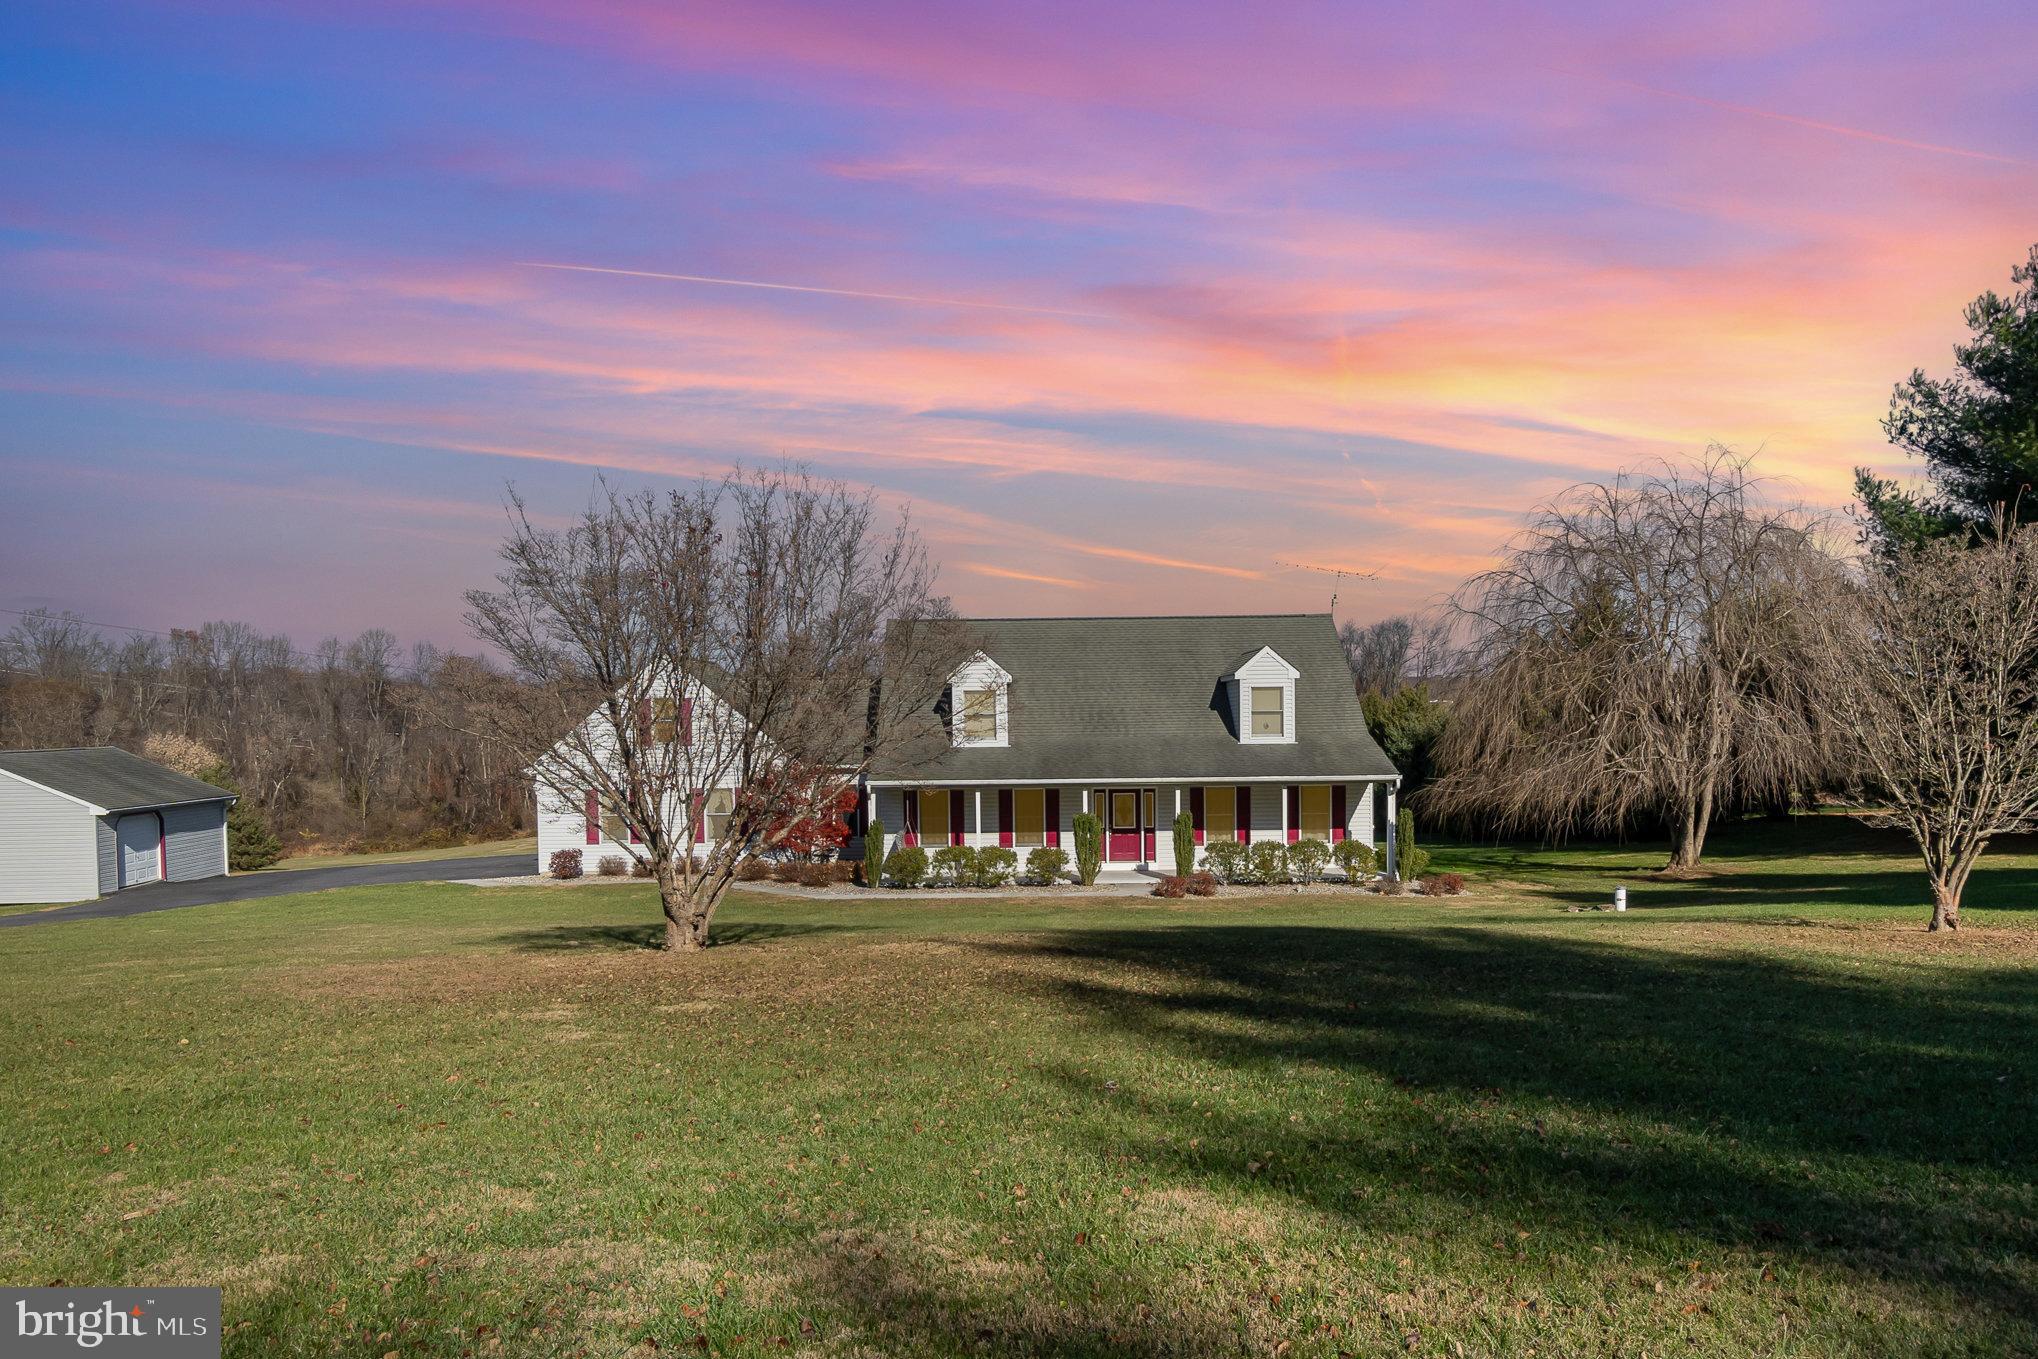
{"points": [[109, 854], [196, 849], [49, 847]]}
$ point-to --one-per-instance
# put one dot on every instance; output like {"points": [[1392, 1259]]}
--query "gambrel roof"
{"points": [[1147, 698]]}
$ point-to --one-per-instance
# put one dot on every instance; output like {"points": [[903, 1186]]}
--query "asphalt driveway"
{"points": [[168, 896]]}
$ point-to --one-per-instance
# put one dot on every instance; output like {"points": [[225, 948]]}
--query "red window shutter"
{"points": [[1294, 813], [1196, 811], [1245, 812], [686, 721], [592, 810], [1005, 817], [909, 829], [955, 815], [1054, 817], [1337, 812]]}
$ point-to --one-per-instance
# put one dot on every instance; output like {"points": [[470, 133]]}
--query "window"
{"points": [[613, 828], [1315, 813], [1029, 816], [1124, 812], [980, 714], [1267, 710], [721, 804], [664, 720], [933, 816], [1220, 814], [1150, 822]]}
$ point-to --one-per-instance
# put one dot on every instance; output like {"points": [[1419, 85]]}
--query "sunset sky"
{"points": [[1137, 304]]}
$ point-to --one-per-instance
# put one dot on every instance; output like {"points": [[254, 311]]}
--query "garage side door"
{"points": [[140, 837]]}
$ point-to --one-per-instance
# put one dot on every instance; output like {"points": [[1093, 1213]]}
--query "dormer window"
{"points": [[1269, 711], [1262, 689], [980, 703]]}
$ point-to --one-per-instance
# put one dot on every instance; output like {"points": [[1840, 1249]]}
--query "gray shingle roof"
{"points": [[1145, 698], [108, 777]]}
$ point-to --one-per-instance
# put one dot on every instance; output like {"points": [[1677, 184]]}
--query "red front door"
{"points": [[1122, 839]]}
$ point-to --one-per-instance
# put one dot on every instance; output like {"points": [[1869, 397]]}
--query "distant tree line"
{"points": [[351, 744]]}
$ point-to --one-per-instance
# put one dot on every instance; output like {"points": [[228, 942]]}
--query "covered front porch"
{"points": [[1137, 816]]}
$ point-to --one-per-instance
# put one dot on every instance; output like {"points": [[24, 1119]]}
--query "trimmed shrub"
{"points": [[1202, 884], [1306, 859], [1356, 859], [952, 866], [1443, 884], [753, 870], [1268, 860], [1225, 859], [1387, 887], [874, 853], [641, 868], [1174, 885], [1409, 861], [807, 873], [1048, 863], [906, 866], [613, 866], [995, 866], [1185, 843], [1089, 847], [564, 863]]}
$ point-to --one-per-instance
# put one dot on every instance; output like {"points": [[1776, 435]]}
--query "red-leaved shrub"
{"points": [[1443, 884], [1171, 886], [564, 863], [1203, 884]]}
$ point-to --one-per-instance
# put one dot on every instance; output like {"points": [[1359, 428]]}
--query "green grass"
{"points": [[521, 844], [1759, 1114]]}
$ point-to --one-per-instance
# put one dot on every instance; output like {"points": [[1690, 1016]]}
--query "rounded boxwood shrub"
{"points": [[1048, 863], [1225, 859], [1356, 859], [1269, 860], [995, 866], [906, 866], [953, 866], [1306, 859]]}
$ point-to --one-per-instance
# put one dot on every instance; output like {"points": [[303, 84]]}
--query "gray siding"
{"points": [[48, 848], [195, 847], [109, 854]]}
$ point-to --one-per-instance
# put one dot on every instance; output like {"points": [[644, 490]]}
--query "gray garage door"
{"points": [[141, 843]]}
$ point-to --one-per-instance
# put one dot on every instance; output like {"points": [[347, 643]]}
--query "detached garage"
{"points": [[77, 824]]}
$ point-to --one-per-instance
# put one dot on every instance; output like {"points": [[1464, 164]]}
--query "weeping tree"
{"points": [[1930, 659], [1638, 657], [707, 669]]}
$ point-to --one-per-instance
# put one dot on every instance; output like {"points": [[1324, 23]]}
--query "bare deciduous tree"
{"points": [[728, 636], [1639, 655], [1394, 651], [1930, 660]]}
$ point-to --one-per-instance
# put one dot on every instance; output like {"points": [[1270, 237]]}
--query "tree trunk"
{"points": [[686, 918], [1945, 903], [1689, 843]]}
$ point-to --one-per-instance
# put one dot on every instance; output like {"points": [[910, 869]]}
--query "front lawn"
{"points": [[1762, 1113]]}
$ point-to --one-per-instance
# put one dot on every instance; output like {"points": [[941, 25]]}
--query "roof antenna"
{"points": [[1339, 574]]}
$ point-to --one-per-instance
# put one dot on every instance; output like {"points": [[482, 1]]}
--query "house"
{"points": [[687, 713], [76, 824], [1248, 722]]}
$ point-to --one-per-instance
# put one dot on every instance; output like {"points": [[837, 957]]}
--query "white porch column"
{"points": [[1393, 832], [980, 819], [1281, 831]]}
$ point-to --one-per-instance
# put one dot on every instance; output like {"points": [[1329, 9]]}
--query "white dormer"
{"points": [[1263, 698], [980, 704]]}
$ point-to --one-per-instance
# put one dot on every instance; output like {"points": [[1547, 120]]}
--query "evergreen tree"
{"points": [[1976, 432]]}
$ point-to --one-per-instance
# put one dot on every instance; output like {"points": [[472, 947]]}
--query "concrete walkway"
{"points": [[169, 896]]}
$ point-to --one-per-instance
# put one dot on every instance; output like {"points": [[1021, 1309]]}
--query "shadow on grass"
{"points": [[651, 935], [1605, 1096]]}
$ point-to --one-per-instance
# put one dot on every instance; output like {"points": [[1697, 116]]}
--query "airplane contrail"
{"points": [[805, 288], [1838, 129]]}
